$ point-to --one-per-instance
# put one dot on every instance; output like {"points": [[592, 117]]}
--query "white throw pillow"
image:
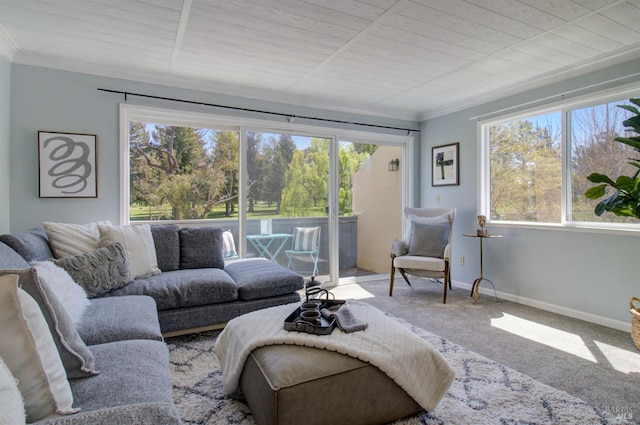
{"points": [[28, 350], [71, 295], [137, 242], [228, 245], [11, 404], [68, 239]]}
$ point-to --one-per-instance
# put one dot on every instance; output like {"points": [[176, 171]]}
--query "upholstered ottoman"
{"points": [[290, 384]]}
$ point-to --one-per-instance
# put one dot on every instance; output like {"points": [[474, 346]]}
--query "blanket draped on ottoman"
{"points": [[404, 357]]}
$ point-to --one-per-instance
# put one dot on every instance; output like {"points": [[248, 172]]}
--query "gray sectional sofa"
{"points": [[124, 329]]}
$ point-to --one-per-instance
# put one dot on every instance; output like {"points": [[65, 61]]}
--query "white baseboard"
{"points": [[576, 314]]}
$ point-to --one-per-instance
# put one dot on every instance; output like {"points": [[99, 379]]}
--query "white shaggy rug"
{"points": [[484, 391]]}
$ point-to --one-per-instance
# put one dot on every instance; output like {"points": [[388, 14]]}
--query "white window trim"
{"points": [[130, 112], [564, 107]]}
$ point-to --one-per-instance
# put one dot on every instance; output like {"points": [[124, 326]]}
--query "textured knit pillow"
{"points": [[77, 359], [137, 242], [428, 239], [201, 247], [100, 271], [306, 238], [71, 239], [29, 351], [11, 404], [71, 295]]}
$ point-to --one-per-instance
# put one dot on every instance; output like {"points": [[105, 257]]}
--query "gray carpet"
{"points": [[595, 363], [486, 391]]}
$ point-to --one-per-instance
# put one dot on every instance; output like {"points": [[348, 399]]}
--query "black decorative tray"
{"points": [[294, 323]]}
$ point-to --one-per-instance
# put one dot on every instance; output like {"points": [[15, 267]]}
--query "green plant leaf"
{"points": [[630, 108], [596, 192], [632, 123], [634, 142], [600, 178]]}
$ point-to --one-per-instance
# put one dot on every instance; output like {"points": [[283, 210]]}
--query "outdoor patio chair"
{"points": [[304, 246]]}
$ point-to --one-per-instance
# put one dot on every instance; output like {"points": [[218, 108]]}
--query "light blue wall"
{"points": [[51, 100], [583, 274], [5, 160]]}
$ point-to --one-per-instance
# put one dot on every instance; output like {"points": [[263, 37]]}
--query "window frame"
{"points": [[565, 108]]}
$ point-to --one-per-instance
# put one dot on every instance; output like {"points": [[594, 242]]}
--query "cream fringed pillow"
{"points": [[67, 239], [138, 245], [30, 353]]}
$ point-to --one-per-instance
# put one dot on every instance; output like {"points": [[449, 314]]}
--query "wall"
{"points": [[377, 199], [5, 138], [51, 100], [590, 275]]}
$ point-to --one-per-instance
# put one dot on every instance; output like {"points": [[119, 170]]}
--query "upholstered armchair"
{"points": [[425, 248]]}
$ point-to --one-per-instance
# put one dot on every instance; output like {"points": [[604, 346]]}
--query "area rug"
{"points": [[484, 391]]}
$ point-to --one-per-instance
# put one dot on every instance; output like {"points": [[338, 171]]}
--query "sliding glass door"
{"points": [[287, 200]]}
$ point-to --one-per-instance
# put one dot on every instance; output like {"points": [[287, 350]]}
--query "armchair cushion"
{"points": [[428, 239]]}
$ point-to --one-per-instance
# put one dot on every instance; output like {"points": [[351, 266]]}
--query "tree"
{"points": [[526, 173]]}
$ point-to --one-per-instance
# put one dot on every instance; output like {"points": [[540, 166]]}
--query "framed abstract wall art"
{"points": [[445, 165], [67, 165]]}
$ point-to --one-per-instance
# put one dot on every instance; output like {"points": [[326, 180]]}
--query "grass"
{"points": [[260, 210]]}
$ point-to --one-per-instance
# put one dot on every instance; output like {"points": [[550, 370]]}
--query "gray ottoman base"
{"points": [[288, 384]]}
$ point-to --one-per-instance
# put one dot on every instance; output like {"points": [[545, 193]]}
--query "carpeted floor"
{"points": [[595, 363], [599, 365]]}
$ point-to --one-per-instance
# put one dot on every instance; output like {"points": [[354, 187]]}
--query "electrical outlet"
{"points": [[438, 200], [461, 261]]}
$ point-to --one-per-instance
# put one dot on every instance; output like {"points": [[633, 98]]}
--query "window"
{"points": [[181, 173], [535, 166]]}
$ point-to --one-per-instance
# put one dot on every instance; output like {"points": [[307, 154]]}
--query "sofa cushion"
{"points": [[100, 271], [32, 245], [137, 242], [260, 278], [120, 318], [184, 288], [167, 242], [30, 353], [10, 259], [76, 357], [72, 239], [134, 387], [201, 247]]}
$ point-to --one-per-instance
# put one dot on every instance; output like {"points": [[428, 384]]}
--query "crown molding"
{"points": [[8, 47]]}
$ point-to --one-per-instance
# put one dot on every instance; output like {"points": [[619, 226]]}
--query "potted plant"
{"points": [[625, 200]]}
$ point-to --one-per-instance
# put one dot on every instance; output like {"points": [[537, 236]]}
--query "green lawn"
{"points": [[261, 210]]}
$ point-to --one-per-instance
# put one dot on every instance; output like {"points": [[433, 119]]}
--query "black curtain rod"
{"points": [[126, 94]]}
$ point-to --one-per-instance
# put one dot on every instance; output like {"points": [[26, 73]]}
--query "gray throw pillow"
{"points": [[77, 359], [429, 239], [167, 242], [201, 247], [99, 271]]}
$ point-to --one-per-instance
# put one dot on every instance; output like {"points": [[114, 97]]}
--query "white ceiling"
{"points": [[409, 59]]}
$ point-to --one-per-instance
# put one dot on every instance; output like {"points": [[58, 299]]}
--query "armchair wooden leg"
{"points": [[447, 282], [393, 272]]}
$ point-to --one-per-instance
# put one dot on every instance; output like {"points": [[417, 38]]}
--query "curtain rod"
{"points": [[236, 108]]}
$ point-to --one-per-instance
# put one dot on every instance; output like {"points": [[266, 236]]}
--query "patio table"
{"points": [[269, 246]]}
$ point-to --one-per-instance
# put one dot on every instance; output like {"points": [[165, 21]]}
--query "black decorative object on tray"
{"points": [[295, 321]]}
